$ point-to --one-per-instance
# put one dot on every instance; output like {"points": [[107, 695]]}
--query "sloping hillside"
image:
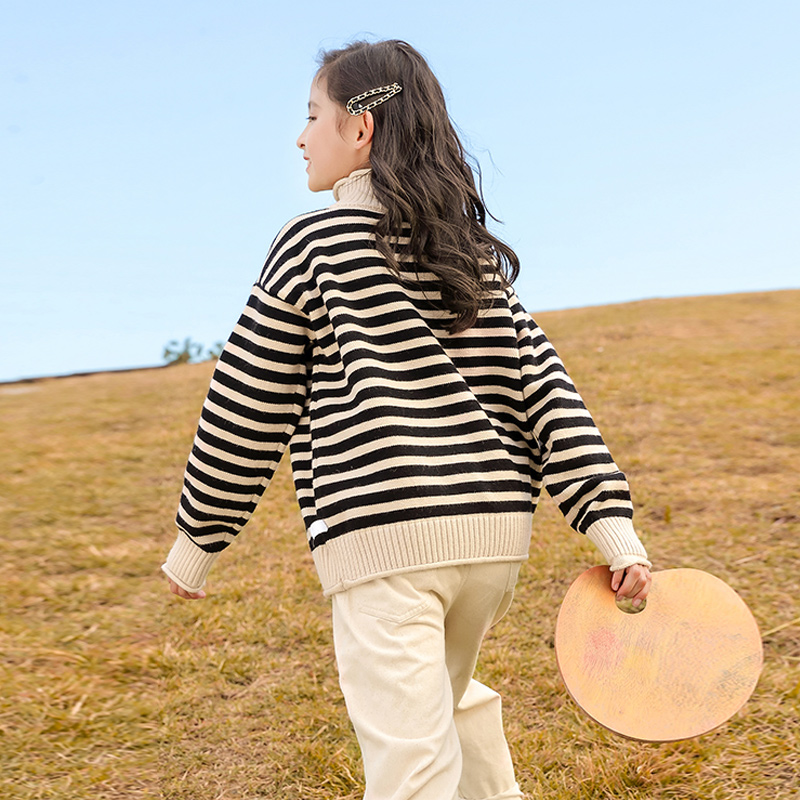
{"points": [[112, 688]]}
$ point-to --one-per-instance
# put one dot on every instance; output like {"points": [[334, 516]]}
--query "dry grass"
{"points": [[114, 689]]}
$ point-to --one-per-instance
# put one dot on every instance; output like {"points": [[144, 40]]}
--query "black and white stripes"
{"points": [[409, 446]]}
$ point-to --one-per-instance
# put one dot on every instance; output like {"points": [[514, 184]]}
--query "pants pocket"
{"points": [[396, 616], [394, 599]]}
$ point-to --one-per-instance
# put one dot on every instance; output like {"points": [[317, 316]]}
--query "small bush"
{"points": [[189, 352]]}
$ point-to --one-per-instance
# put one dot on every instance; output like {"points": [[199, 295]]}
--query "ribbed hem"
{"points": [[356, 190], [359, 556], [187, 564], [616, 539]]}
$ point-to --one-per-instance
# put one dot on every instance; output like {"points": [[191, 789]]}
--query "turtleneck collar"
{"points": [[356, 190]]}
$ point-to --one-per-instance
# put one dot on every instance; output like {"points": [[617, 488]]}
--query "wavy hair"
{"points": [[421, 175]]}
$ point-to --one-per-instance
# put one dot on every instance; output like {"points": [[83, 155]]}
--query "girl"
{"points": [[425, 411]]}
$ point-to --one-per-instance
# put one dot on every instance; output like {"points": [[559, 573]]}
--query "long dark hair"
{"points": [[420, 173]]}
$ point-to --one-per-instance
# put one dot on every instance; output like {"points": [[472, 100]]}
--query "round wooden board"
{"points": [[679, 668]]}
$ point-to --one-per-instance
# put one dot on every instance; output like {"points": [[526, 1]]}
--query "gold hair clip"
{"points": [[385, 91]]}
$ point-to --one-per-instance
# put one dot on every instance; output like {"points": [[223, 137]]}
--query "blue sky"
{"points": [[632, 150]]}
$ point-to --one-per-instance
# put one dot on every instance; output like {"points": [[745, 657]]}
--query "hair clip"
{"points": [[385, 91]]}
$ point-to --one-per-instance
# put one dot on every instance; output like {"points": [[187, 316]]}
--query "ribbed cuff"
{"points": [[616, 539], [187, 564]]}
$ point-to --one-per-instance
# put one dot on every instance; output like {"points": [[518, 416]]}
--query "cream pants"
{"points": [[406, 646]]}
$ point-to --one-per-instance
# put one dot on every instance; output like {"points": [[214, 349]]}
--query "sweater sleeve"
{"points": [[255, 400], [579, 472]]}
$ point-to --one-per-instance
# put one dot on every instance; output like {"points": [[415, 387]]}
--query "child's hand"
{"points": [[636, 583], [181, 592]]}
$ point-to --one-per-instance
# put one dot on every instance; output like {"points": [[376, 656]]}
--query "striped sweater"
{"points": [[410, 446]]}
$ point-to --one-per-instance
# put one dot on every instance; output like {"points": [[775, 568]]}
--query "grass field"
{"points": [[113, 688]]}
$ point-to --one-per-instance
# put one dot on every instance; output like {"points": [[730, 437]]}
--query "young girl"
{"points": [[425, 410]]}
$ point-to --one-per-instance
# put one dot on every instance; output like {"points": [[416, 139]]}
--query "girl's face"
{"points": [[334, 143]]}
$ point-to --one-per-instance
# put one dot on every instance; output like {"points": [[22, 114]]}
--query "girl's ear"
{"points": [[365, 131]]}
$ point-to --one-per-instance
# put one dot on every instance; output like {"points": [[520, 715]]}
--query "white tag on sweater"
{"points": [[316, 528]]}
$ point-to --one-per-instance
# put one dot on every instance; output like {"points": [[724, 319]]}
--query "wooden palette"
{"points": [[679, 668]]}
